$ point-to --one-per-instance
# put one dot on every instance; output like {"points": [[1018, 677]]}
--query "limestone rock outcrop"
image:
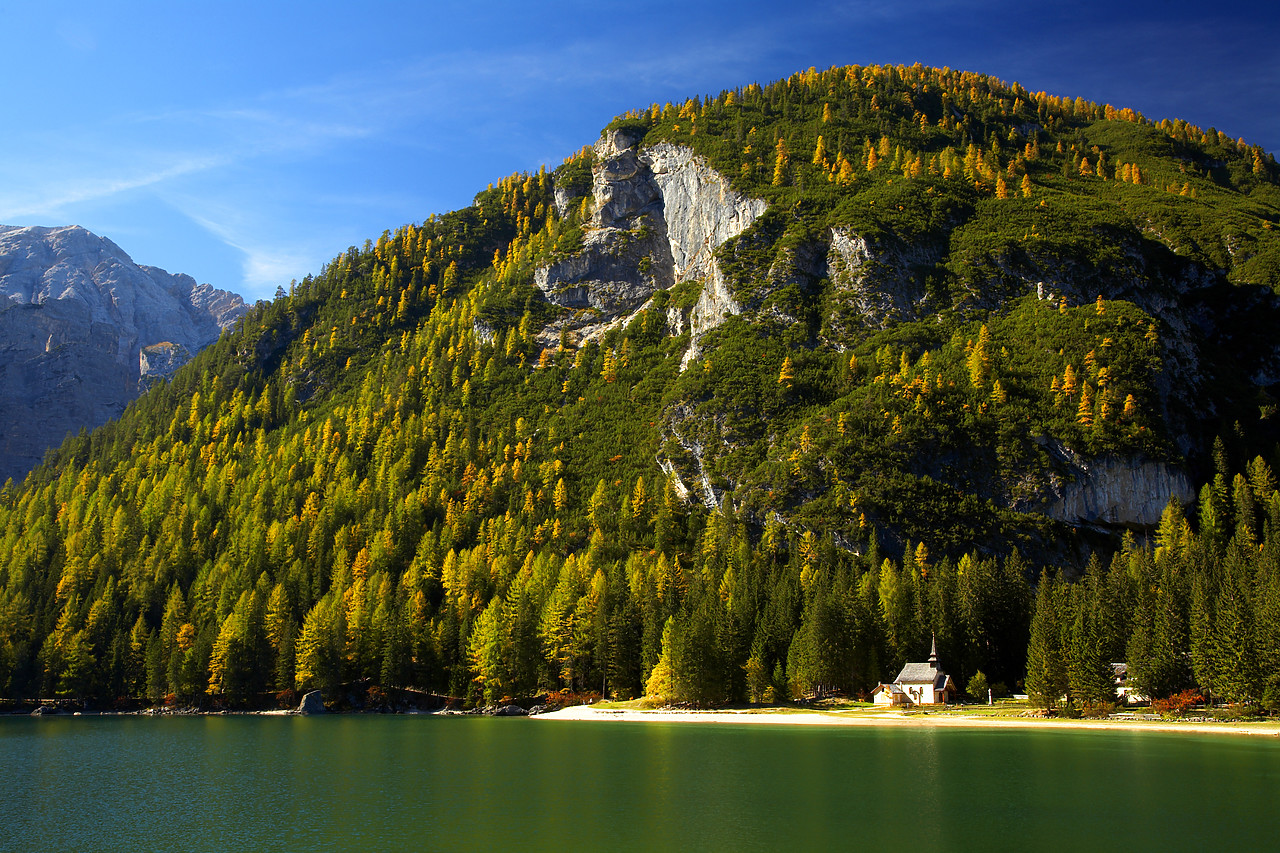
{"points": [[714, 304], [80, 323], [625, 256], [658, 216], [700, 208], [1117, 492], [162, 359], [874, 283]]}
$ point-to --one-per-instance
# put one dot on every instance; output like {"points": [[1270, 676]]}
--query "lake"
{"points": [[448, 783]]}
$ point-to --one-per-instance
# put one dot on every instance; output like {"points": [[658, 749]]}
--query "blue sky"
{"points": [[247, 144]]}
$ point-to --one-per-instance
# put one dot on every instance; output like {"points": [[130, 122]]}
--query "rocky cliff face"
{"points": [[79, 327], [659, 215], [875, 284], [701, 210], [161, 359], [1119, 492], [625, 255]]}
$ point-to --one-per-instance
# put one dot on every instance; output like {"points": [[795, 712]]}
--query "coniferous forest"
{"points": [[412, 469]]}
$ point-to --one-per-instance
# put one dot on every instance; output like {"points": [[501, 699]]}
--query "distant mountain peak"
{"points": [[77, 315]]}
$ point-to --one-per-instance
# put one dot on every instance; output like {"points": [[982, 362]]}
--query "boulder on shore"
{"points": [[312, 703]]}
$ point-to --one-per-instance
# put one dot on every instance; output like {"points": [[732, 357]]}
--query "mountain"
{"points": [[82, 328], [749, 399]]}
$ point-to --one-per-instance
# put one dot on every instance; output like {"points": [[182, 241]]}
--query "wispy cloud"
{"points": [[420, 97]]}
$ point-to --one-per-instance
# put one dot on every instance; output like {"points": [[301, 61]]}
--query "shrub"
{"points": [[1177, 704], [977, 687]]}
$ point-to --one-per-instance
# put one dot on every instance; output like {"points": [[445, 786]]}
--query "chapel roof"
{"points": [[917, 673]]}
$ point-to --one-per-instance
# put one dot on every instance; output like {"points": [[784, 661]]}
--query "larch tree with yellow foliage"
{"points": [[781, 159], [1069, 382], [979, 359], [786, 375], [1084, 413], [847, 173], [820, 153]]}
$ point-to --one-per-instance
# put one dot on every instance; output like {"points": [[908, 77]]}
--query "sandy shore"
{"points": [[891, 718]]}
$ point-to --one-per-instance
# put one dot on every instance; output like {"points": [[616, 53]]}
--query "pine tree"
{"points": [[1261, 481], [847, 174], [1172, 532], [1201, 635], [639, 499], [1088, 669], [1069, 382], [1047, 678], [661, 681], [1233, 627], [1267, 628], [1158, 666]]}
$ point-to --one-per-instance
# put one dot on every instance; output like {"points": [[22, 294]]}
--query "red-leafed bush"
{"points": [[1178, 704]]}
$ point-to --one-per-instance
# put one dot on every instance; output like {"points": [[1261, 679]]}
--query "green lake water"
{"points": [[434, 783]]}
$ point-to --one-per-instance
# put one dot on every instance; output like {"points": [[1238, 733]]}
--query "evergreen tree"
{"points": [[1158, 666], [1089, 672], [1235, 662], [1047, 680]]}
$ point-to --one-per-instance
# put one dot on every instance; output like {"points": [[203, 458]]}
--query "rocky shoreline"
{"points": [[360, 699]]}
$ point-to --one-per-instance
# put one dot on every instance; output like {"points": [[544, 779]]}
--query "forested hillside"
{"points": [[878, 409]]}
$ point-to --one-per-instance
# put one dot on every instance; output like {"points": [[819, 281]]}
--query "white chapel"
{"points": [[918, 684]]}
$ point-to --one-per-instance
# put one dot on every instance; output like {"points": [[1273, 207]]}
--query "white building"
{"points": [[1125, 693], [918, 684]]}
